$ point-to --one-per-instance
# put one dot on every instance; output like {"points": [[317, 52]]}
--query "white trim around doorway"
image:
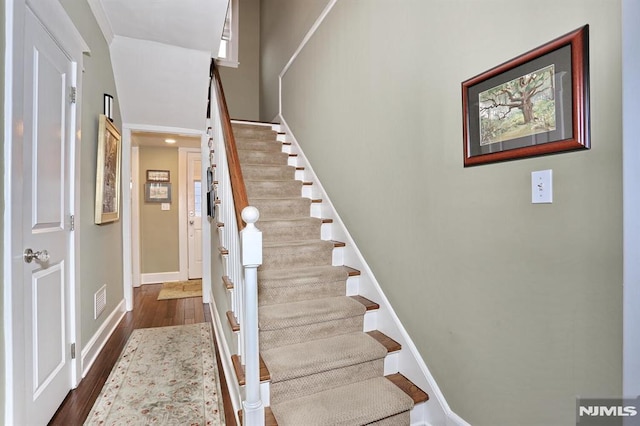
{"points": [[131, 213]]}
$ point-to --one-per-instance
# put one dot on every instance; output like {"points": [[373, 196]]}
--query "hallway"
{"points": [[148, 312]]}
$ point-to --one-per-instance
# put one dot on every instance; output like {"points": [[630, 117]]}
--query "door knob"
{"points": [[191, 222], [41, 256]]}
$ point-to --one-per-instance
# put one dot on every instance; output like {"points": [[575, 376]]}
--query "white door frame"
{"points": [[62, 29], [183, 205], [131, 216], [631, 198]]}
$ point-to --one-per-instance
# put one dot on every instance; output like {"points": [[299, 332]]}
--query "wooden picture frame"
{"points": [[211, 194], [108, 174], [535, 104], [157, 192], [158, 176]]}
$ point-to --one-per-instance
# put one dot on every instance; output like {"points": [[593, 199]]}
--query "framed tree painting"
{"points": [[108, 172], [535, 104]]}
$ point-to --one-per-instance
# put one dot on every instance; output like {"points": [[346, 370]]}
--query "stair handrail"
{"points": [[243, 245], [238, 187]]}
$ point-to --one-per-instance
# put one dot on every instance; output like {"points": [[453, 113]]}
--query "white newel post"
{"points": [[251, 238]]}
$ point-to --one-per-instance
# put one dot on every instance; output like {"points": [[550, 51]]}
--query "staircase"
{"points": [[323, 368]]}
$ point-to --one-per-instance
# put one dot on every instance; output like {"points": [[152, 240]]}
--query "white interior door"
{"points": [[46, 222], [194, 216]]}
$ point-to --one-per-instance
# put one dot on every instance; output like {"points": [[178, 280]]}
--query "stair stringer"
{"points": [[407, 361]]}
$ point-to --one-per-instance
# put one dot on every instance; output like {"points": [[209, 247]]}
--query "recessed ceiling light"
{"points": [[170, 140]]}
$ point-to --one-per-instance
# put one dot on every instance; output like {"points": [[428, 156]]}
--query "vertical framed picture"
{"points": [[107, 207], [211, 194]]}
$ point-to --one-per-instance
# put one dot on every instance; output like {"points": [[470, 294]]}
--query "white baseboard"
{"points": [[161, 277], [92, 350], [455, 420]]}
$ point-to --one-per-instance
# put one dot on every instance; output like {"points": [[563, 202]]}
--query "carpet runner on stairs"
{"points": [[324, 369]]}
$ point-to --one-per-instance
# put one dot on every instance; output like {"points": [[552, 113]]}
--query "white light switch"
{"points": [[165, 206], [542, 186]]}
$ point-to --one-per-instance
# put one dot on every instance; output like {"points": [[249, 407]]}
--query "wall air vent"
{"points": [[99, 301]]}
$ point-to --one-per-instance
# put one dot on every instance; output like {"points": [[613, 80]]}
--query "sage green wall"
{"points": [[241, 85], [283, 24], [159, 242], [100, 251], [516, 308]]}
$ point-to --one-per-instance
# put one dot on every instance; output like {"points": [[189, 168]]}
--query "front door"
{"points": [[194, 208], [46, 232]]}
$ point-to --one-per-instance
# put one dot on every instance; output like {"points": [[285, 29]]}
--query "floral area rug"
{"points": [[180, 289], [165, 376]]}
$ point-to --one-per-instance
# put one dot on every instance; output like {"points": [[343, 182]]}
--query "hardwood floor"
{"points": [[148, 312]]}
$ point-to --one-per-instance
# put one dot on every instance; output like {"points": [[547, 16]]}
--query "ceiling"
{"points": [[182, 23], [158, 140], [160, 52]]}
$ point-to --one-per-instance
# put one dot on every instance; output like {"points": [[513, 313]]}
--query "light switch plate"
{"points": [[165, 206], [542, 186]]}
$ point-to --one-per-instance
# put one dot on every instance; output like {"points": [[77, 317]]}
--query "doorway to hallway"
{"points": [[167, 236]]}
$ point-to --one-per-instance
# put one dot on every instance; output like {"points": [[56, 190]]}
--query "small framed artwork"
{"points": [[158, 176], [107, 207], [535, 104], [157, 192], [211, 194]]}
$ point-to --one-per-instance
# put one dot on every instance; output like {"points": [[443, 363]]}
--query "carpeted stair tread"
{"points": [[297, 284], [273, 188], [359, 403], [293, 254], [308, 385], [302, 276], [256, 131], [308, 312], [257, 125], [300, 244], [305, 228], [259, 145], [317, 356], [267, 172], [248, 129], [263, 157], [282, 208], [302, 321], [260, 136]]}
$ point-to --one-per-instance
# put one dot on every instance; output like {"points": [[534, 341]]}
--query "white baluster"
{"points": [[251, 238]]}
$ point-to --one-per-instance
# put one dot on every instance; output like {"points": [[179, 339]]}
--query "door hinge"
{"points": [[73, 351], [72, 223], [73, 95]]}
